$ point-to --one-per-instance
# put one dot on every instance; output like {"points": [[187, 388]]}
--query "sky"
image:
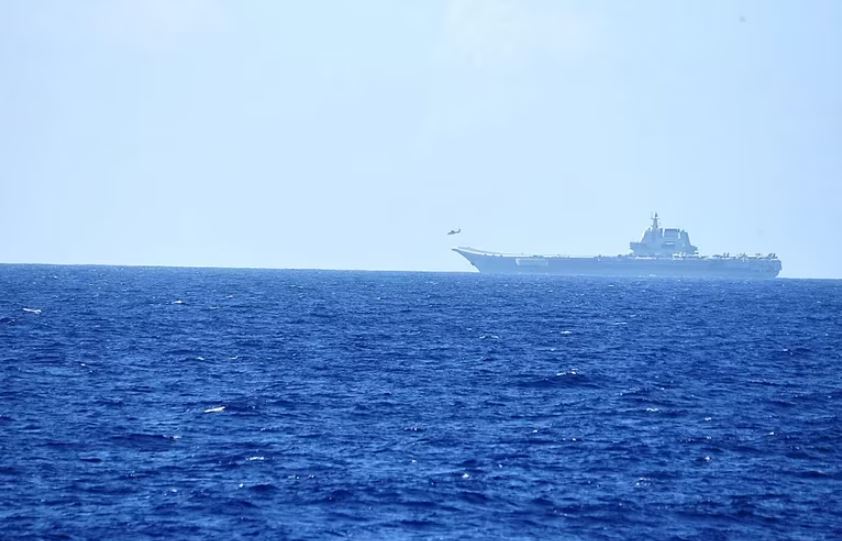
{"points": [[356, 134]]}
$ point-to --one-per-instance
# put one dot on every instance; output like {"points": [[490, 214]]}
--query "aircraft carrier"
{"points": [[662, 252]]}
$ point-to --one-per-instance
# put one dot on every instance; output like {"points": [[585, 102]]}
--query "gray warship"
{"points": [[662, 252]]}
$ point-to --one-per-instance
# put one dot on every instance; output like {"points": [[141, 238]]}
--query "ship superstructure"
{"points": [[657, 242], [662, 252]]}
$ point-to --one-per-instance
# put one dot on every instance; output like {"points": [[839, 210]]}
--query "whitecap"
{"points": [[215, 409], [178, 301], [36, 311], [643, 482], [254, 458], [565, 332]]}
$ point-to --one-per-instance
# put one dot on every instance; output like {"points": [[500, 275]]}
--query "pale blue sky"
{"points": [[355, 134]]}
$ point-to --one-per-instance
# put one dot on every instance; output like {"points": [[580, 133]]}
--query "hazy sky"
{"points": [[355, 134]]}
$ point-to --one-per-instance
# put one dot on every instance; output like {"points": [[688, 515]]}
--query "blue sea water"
{"points": [[144, 403]]}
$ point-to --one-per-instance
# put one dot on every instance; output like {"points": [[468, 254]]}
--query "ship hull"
{"points": [[727, 268]]}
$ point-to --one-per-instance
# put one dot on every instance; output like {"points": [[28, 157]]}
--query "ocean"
{"points": [[140, 403]]}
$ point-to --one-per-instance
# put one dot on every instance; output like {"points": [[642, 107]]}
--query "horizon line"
{"points": [[333, 269]]}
